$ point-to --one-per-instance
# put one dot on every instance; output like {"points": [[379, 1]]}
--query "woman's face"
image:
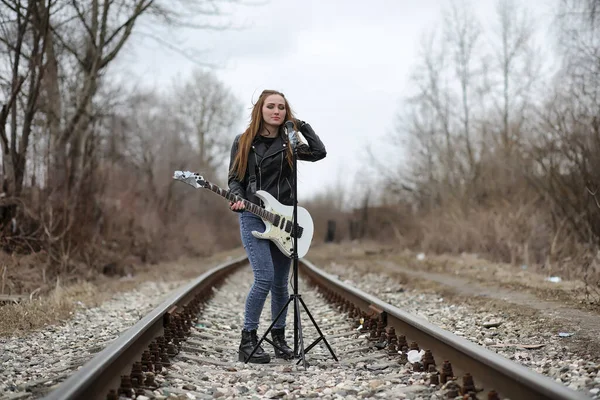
{"points": [[273, 110]]}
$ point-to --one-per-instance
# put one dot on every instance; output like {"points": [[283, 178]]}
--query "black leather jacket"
{"points": [[273, 172]]}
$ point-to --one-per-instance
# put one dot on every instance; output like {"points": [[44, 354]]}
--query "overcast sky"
{"points": [[343, 65]]}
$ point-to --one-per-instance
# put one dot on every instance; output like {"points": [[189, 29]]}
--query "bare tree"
{"points": [[207, 113], [424, 124], [434, 97], [568, 139], [25, 30], [438, 116], [517, 71], [463, 33]]}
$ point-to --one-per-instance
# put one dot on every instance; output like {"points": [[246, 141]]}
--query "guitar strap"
{"points": [[252, 170]]}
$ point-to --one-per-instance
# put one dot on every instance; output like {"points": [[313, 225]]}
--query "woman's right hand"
{"points": [[237, 206]]}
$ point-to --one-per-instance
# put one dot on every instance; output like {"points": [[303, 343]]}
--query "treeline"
{"points": [[502, 143], [87, 162]]}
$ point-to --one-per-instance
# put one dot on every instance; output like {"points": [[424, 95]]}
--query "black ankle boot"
{"points": [[249, 341], [278, 336]]}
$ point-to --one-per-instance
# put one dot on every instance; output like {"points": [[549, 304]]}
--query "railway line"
{"points": [[187, 348]]}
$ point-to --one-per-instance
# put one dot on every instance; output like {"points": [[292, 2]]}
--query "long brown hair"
{"points": [[254, 127]]}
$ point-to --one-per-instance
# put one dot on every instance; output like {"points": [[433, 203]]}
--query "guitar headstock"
{"points": [[191, 178]]}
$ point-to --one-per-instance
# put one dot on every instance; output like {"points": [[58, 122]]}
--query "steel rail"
{"points": [[104, 371], [490, 370]]}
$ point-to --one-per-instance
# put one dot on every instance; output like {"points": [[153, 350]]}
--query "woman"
{"points": [[261, 159]]}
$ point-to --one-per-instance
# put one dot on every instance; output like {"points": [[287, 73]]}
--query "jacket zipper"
{"points": [[259, 171], [279, 177]]}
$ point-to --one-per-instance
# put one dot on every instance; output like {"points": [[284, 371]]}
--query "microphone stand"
{"points": [[299, 351]]}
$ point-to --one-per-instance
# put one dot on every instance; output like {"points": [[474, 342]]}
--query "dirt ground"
{"points": [[471, 280]]}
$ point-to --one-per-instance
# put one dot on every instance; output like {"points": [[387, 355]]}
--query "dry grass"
{"points": [[61, 302], [58, 306], [517, 233]]}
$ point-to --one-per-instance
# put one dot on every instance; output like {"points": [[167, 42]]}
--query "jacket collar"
{"points": [[279, 144]]}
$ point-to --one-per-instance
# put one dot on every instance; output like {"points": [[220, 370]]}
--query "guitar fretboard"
{"points": [[251, 207]]}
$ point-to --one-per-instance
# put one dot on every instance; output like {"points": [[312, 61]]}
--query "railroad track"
{"points": [[187, 348]]}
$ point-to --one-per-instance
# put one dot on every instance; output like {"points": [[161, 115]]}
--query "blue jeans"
{"points": [[271, 271]]}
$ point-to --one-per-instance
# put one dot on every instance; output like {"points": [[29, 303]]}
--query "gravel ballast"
{"points": [[33, 364]]}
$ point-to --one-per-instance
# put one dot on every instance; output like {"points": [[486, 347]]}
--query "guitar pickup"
{"points": [[288, 229]]}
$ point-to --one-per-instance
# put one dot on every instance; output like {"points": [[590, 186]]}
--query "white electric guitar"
{"points": [[278, 218]]}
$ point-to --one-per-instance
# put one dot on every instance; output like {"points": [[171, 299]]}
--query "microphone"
{"points": [[289, 128]]}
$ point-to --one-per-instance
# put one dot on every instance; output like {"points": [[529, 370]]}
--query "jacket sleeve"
{"points": [[315, 149], [235, 185]]}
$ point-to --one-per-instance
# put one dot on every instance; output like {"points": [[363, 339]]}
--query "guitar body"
{"points": [[279, 236]]}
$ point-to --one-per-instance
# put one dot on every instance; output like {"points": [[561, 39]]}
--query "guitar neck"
{"points": [[251, 207]]}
